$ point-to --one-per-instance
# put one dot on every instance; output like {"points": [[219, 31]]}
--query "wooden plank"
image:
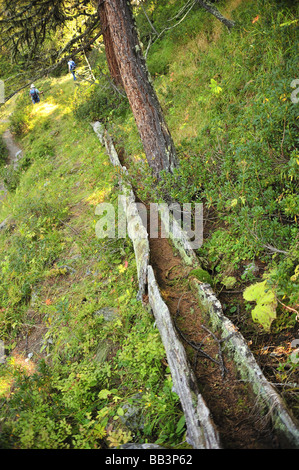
{"points": [[201, 431]]}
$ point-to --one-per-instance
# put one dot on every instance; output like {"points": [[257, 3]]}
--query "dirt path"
{"points": [[234, 413], [14, 155], [13, 149]]}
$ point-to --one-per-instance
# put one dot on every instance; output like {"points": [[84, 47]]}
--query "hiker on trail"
{"points": [[72, 67], [34, 93]]}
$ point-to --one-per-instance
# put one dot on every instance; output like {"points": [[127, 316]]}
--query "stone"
{"points": [[34, 297], [109, 313], [251, 268], [3, 224], [133, 418]]}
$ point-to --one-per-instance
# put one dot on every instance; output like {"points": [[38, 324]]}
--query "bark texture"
{"points": [[127, 65]]}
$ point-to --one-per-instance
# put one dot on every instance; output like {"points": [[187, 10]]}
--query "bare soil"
{"points": [[233, 409]]}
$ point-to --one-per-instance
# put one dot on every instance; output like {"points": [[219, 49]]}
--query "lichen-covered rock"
{"points": [[108, 313]]}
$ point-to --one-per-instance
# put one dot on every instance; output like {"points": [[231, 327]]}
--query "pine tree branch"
{"points": [[43, 72]]}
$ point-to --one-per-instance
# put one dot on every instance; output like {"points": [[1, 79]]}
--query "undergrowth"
{"points": [[227, 101], [71, 374]]}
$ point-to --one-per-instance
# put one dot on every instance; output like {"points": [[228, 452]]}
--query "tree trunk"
{"points": [[109, 46], [127, 65]]}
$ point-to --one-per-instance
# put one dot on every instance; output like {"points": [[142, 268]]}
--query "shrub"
{"points": [[100, 103], [19, 120], [3, 152]]}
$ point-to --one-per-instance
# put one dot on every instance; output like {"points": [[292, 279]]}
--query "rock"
{"points": [[67, 269], [28, 357], [91, 273], [18, 156], [7, 223], [34, 297], [133, 417], [109, 313], [3, 224], [251, 268]]}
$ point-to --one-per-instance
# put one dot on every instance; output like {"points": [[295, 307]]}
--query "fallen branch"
{"points": [[274, 250], [219, 342], [290, 309], [215, 12]]}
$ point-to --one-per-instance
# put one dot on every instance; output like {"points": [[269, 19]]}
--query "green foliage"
{"points": [[11, 176], [285, 279], [201, 275], [215, 88], [158, 64], [228, 105], [229, 281], [99, 103], [266, 303], [56, 277], [3, 152], [19, 119], [141, 355], [40, 149]]}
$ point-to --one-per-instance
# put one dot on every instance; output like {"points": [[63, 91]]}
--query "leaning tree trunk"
{"points": [[127, 66]]}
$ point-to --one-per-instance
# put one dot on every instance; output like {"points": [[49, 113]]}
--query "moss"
{"points": [[201, 275], [266, 303]]}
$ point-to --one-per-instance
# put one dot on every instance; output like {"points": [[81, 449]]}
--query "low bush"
{"points": [[99, 103], [3, 152]]}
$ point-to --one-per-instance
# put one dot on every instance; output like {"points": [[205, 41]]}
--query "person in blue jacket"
{"points": [[72, 67], [34, 93]]}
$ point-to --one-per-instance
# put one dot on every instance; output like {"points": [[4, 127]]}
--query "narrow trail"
{"points": [[233, 409], [14, 155]]}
